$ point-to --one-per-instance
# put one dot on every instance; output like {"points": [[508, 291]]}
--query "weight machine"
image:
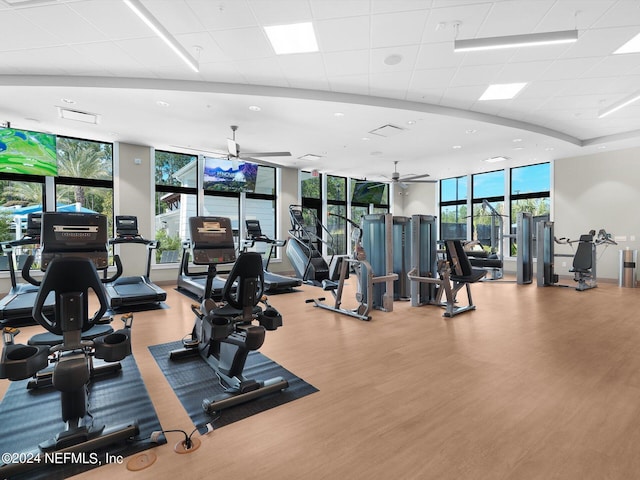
{"points": [[366, 280], [432, 278], [585, 258]]}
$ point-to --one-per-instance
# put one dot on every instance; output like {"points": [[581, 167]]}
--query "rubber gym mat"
{"points": [[29, 417], [193, 380]]}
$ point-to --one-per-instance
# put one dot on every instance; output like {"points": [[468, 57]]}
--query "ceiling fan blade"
{"points": [[408, 180], [268, 154], [413, 177], [261, 162]]}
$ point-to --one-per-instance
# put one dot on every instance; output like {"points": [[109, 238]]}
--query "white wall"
{"points": [[594, 192]]}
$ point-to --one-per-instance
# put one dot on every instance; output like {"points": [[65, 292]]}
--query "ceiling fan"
{"points": [[403, 181], [234, 152]]}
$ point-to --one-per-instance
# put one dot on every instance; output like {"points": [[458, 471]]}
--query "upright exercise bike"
{"points": [[224, 334]]}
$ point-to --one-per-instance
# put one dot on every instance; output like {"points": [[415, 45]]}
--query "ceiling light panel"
{"points": [[502, 91], [293, 38], [632, 46], [78, 116], [387, 130]]}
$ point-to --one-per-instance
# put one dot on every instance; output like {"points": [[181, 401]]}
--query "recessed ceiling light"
{"points": [[366, 138], [457, 147], [338, 114], [393, 59], [470, 131], [411, 122], [632, 46], [310, 156], [516, 140], [68, 100], [518, 148], [293, 38], [602, 147], [496, 159], [254, 108], [502, 91], [549, 149], [160, 103]]}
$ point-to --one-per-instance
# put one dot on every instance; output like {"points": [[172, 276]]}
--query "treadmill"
{"points": [[136, 291], [16, 306], [273, 282], [193, 284]]}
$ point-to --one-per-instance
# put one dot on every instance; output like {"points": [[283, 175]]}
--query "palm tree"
{"points": [[83, 159]]}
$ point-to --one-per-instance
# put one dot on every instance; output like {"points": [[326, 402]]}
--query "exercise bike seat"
{"points": [[48, 338]]}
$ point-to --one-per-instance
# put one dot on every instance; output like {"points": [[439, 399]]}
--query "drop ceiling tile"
{"points": [[475, 75], [407, 55], [262, 71], [175, 16], [431, 78], [520, 72], [346, 63], [386, 6], [64, 23], [593, 43], [623, 12], [343, 34], [570, 14], [113, 19], [392, 29], [440, 23], [323, 9], [243, 43], [302, 66], [437, 55], [18, 33], [614, 65], [281, 12], [358, 84], [107, 54], [392, 84], [514, 18], [220, 72], [151, 52], [222, 15], [569, 69]]}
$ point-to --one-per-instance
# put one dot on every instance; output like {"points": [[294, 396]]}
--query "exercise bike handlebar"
{"points": [[26, 271]]}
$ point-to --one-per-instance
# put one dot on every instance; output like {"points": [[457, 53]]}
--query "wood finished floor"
{"points": [[537, 383]]}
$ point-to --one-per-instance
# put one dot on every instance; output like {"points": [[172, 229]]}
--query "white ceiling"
{"points": [[99, 55]]}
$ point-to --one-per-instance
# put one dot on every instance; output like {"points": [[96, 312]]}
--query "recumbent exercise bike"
{"points": [[74, 248], [224, 334]]}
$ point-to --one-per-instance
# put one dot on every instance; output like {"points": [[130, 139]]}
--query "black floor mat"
{"points": [[29, 417], [193, 380]]}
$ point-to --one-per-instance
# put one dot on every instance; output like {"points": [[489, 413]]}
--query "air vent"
{"points": [[387, 130], [78, 116]]}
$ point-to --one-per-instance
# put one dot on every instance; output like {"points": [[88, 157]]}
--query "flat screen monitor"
{"points": [[28, 153], [224, 175], [368, 192]]}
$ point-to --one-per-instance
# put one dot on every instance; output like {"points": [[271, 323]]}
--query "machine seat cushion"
{"points": [[49, 338]]}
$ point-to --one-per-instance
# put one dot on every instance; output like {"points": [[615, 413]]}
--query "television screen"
{"points": [[223, 175], [368, 192], [30, 153]]}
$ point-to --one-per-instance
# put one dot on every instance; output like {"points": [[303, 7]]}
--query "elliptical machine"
{"points": [[74, 247], [224, 334]]}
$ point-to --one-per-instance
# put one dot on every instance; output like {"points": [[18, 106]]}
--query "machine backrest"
{"points": [[249, 274], [582, 260], [460, 264]]}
